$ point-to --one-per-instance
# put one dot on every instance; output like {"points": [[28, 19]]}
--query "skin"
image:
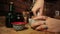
{"points": [[38, 6], [52, 24]]}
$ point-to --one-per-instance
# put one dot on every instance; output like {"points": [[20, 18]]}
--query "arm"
{"points": [[38, 6]]}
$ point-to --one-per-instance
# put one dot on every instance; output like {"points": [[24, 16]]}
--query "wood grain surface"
{"points": [[4, 30]]}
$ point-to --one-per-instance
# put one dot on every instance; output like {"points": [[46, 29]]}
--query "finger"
{"points": [[34, 13], [35, 9], [35, 27], [41, 28], [40, 18], [38, 23], [35, 24]]}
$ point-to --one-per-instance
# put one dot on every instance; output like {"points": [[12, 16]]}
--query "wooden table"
{"points": [[4, 30], [57, 17]]}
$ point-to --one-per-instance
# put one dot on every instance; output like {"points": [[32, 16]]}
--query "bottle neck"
{"points": [[11, 7]]}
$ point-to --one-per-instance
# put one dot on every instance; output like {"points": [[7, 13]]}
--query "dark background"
{"points": [[19, 5]]}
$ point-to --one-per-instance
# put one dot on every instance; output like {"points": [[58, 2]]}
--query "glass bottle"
{"points": [[10, 15]]}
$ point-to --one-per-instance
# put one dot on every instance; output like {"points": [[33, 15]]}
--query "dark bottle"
{"points": [[10, 15]]}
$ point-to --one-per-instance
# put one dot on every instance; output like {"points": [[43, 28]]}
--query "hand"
{"points": [[52, 24], [40, 20], [38, 6]]}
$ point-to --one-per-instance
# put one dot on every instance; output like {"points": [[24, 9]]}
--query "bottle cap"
{"points": [[11, 2]]}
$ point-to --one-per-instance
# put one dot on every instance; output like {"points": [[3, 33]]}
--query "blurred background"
{"points": [[21, 5], [51, 9]]}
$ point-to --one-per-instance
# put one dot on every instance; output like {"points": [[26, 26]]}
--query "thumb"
{"points": [[40, 18]]}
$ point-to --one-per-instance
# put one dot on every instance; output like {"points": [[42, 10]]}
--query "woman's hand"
{"points": [[38, 6], [52, 25]]}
